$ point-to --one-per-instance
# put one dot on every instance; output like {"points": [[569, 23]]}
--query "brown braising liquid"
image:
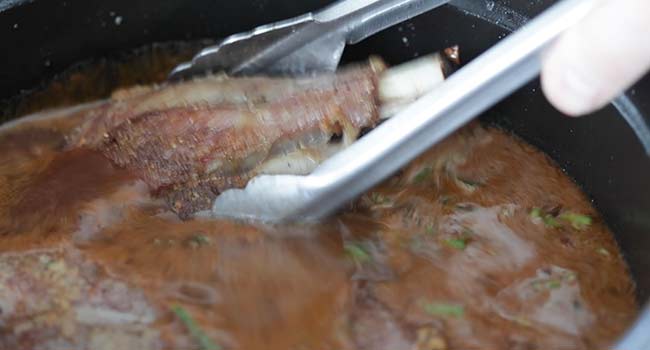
{"points": [[482, 243]]}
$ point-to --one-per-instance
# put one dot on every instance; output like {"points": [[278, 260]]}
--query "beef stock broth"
{"points": [[481, 243]]}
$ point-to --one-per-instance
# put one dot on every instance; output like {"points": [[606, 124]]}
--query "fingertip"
{"points": [[596, 60], [565, 83]]}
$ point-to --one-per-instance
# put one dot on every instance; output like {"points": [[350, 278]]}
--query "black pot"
{"points": [[601, 152]]}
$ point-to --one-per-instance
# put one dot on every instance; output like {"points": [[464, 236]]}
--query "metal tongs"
{"points": [[310, 43], [479, 85]]}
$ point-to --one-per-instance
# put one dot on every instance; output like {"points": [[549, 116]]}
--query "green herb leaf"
{"points": [[456, 243], [578, 221], [378, 198], [553, 284], [542, 285], [548, 219], [444, 309], [197, 333], [422, 175], [356, 252], [536, 213]]}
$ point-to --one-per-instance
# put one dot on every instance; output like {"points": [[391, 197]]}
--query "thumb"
{"points": [[600, 57]]}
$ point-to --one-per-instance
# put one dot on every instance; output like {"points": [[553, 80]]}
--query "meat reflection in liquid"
{"points": [[449, 254]]}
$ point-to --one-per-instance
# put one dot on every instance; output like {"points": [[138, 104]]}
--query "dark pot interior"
{"points": [[601, 152]]}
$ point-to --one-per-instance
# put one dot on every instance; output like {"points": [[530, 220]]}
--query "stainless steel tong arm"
{"points": [[479, 85], [304, 44], [359, 19]]}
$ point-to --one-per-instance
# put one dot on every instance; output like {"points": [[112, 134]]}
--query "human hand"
{"points": [[600, 57]]}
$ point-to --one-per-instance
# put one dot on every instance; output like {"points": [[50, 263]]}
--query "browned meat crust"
{"points": [[189, 144]]}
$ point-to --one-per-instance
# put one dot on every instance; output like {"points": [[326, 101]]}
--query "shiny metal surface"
{"points": [[479, 85], [313, 42]]}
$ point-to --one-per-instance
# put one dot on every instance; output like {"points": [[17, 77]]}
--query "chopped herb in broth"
{"points": [[443, 309], [423, 175], [456, 243], [205, 343], [357, 252], [577, 221]]}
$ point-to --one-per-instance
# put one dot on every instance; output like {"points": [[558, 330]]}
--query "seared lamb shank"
{"points": [[192, 140]]}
